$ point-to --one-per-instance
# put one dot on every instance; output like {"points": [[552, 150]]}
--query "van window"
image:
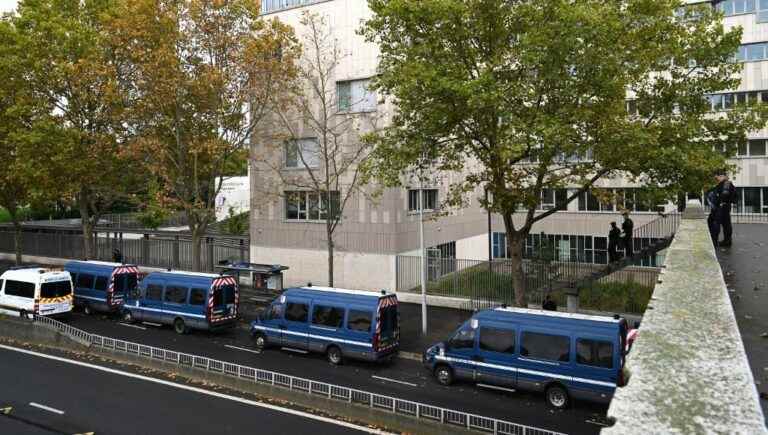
{"points": [[545, 346], [125, 282], [175, 294], [463, 339], [359, 320], [596, 353], [101, 283], [388, 319], [497, 340], [20, 288], [296, 312], [84, 280], [275, 312], [154, 292], [328, 316], [197, 296], [55, 289]]}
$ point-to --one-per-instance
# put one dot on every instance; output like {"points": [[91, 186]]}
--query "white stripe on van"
{"points": [[91, 298], [526, 371], [133, 307], [318, 337]]}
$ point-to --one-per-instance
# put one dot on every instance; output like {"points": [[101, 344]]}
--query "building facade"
{"points": [[373, 232]]}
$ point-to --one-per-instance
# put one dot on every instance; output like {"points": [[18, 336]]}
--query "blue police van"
{"points": [[186, 300], [566, 356], [101, 286], [340, 323]]}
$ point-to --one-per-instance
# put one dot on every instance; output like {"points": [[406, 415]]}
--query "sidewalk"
{"points": [[746, 275]]}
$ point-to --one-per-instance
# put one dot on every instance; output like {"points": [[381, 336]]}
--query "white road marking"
{"points": [[132, 326], [242, 348], [290, 349], [152, 324], [495, 387], [382, 378], [46, 408], [198, 390]]}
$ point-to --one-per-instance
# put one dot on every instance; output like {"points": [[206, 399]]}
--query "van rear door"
{"points": [[387, 326], [223, 300], [496, 354]]}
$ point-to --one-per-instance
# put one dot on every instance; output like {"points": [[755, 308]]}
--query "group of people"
{"points": [[719, 200], [620, 238]]}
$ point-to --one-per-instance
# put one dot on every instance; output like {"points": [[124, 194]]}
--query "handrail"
{"points": [[313, 388]]}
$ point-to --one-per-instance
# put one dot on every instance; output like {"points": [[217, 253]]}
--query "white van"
{"points": [[46, 292]]}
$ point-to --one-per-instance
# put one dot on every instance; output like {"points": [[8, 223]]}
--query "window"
{"points": [[429, 196], [497, 340], [500, 245], [359, 320], [228, 292], [751, 52], [270, 6], [595, 353], [175, 294], [545, 346], [310, 206], [355, 96], [332, 317], [463, 339], [197, 296], [296, 312], [752, 148], [20, 289], [762, 11], [735, 7], [101, 283], [551, 198], [84, 280], [125, 282], [154, 292], [275, 312], [302, 153]]}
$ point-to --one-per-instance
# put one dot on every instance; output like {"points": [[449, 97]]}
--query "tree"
{"points": [[531, 95], [71, 71], [310, 128], [200, 73]]}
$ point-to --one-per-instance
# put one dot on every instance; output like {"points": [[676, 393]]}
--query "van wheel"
{"points": [[179, 326], [128, 317], [334, 355], [23, 314], [260, 341], [557, 397], [444, 375], [87, 309]]}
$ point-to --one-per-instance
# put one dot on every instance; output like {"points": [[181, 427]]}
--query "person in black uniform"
{"points": [[614, 238], [627, 227], [724, 196]]}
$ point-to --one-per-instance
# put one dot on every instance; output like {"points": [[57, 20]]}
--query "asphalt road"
{"points": [[54, 397]]}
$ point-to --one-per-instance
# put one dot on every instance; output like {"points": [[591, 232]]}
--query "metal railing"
{"points": [[313, 388]]}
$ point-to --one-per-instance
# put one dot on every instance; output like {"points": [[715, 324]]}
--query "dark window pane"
{"points": [[359, 320], [594, 353], [55, 289], [154, 292], [101, 283], [497, 340], [176, 294], [545, 346], [751, 200], [84, 280], [328, 316], [296, 312], [463, 339], [197, 296], [757, 147], [20, 289], [742, 150], [125, 282]]}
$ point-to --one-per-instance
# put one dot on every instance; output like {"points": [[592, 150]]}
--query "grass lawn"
{"points": [[4, 216]]}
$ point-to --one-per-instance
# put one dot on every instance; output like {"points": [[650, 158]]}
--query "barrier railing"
{"points": [[313, 388]]}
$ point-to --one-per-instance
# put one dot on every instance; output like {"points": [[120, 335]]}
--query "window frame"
{"points": [[559, 360], [154, 287], [301, 151], [194, 290], [594, 352], [89, 275], [16, 293], [369, 315], [513, 333], [307, 198], [367, 103], [316, 310], [288, 304], [172, 290], [429, 197]]}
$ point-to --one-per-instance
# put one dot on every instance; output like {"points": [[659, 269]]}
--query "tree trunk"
{"points": [[515, 245], [330, 260], [17, 239], [87, 225]]}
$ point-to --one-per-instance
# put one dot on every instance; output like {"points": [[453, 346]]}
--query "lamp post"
{"points": [[423, 252]]}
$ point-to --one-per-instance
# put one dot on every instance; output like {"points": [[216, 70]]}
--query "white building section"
{"points": [[235, 194]]}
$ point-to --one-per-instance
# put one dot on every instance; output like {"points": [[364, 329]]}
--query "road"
{"points": [[50, 396], [402, 378]]}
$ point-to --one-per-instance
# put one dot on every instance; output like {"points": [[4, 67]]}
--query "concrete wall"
{"points": [[690, 373]]}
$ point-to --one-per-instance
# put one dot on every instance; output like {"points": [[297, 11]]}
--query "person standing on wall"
{"points": [[627, 227], [725, 195], [614, 238]]}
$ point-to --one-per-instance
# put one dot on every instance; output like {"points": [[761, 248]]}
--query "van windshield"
{"points": [[55, 289], [125, 282]]}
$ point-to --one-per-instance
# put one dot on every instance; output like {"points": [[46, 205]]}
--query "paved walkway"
{"points": [[745, 266]]}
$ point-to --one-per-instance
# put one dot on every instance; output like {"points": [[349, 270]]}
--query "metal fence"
{"points": [[313, 388], [148, 249]]}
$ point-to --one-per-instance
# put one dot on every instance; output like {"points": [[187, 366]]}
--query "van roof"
{"points": [[339, 295], [346, 291], [182, 273], [35, 275], [527, 312], [96, 263]]}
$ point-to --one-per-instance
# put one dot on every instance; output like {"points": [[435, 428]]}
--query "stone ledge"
{"points": [[690, 372]]}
